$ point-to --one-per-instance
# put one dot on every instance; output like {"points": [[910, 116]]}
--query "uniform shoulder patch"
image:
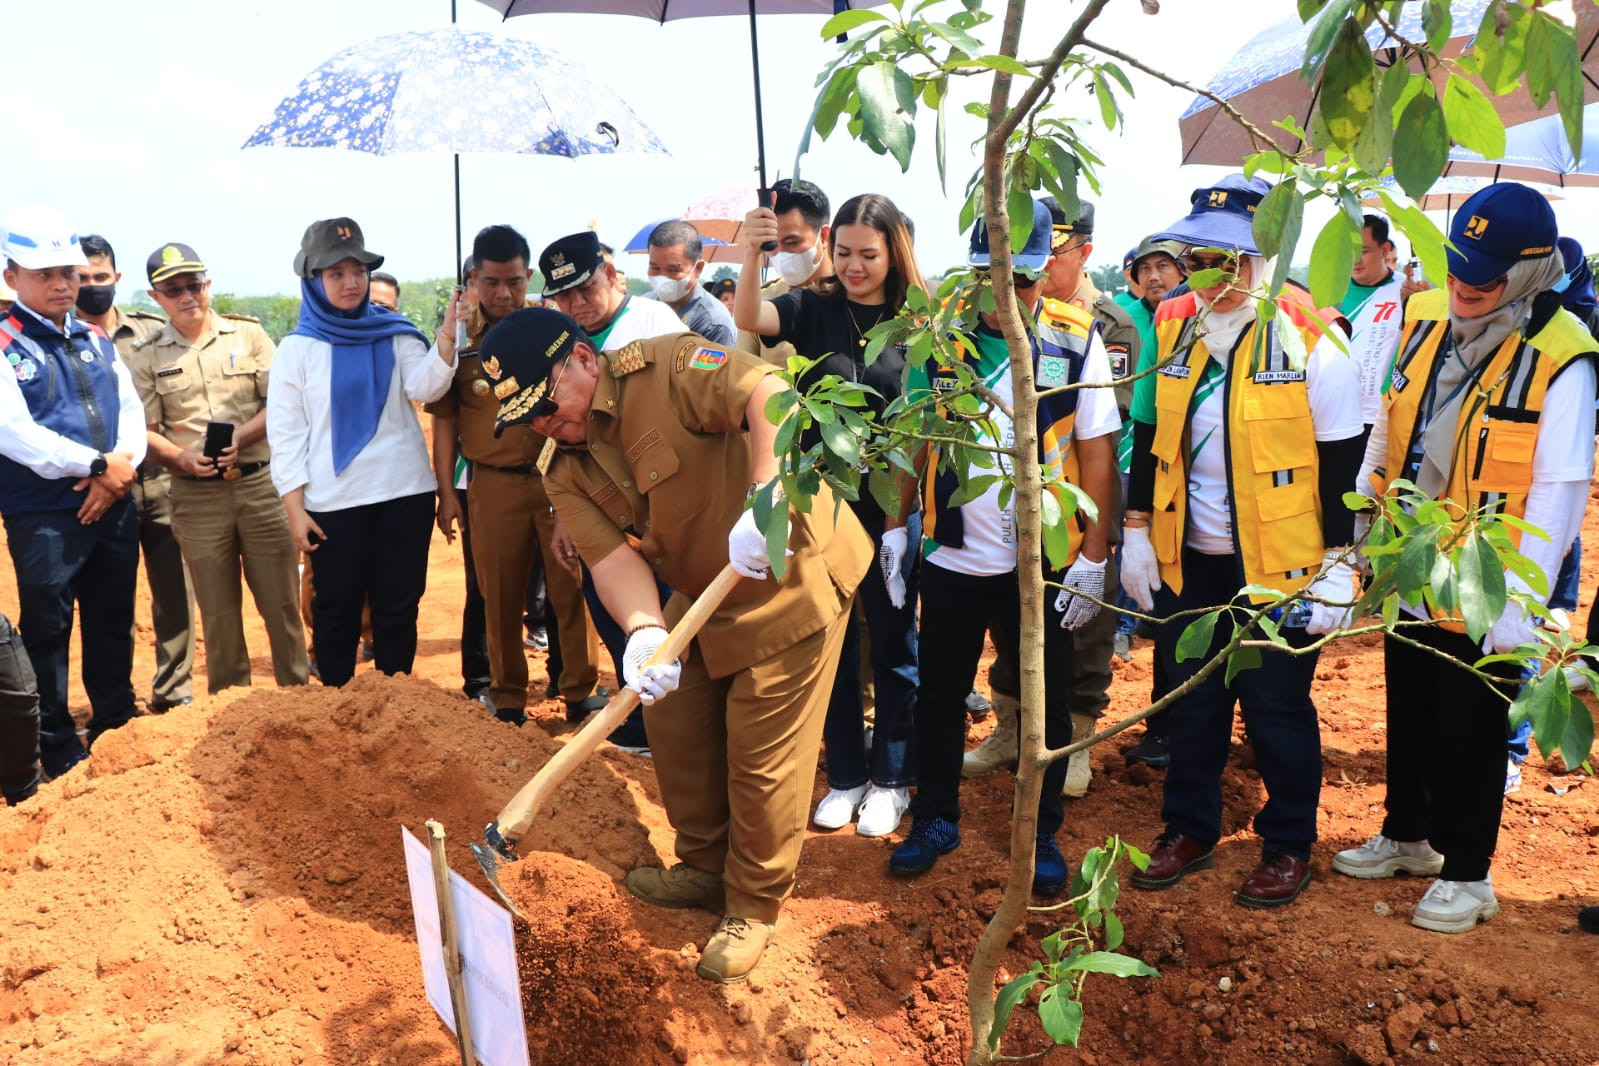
{"points": [[628, 359], [546, 456], [240, 318], [707, 359]]}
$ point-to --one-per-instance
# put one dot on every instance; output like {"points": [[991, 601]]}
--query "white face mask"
{"points": [[796, 268], [671, 290]]}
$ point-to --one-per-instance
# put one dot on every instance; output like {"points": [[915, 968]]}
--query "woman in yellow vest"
{"points": [[1490, 404], [1240, 453]]}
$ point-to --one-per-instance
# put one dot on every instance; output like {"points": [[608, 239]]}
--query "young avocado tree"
{"points": [[897, 69]]}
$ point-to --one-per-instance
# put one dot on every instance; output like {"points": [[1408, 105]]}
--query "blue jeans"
{"points": [[894, 677], [1563, 594], [61, 563]]}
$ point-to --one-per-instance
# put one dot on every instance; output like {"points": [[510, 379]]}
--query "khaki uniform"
{"points": [[222, 377], [511, 523], [170, 591], [666, 470]]}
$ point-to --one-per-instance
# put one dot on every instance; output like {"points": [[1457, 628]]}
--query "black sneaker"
{"points": [[577, 710], [537, 638], [977, 707], [1588, 919], [1049, 867], [368, 652], [928, 839], [1151, 751], [511, 715], [163, 708], [631, 738]]}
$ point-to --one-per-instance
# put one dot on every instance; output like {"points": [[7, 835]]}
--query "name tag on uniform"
{"points": [[1266, 377], [1053, 371], [169, 371], [1175, 370], [1398, 380]]}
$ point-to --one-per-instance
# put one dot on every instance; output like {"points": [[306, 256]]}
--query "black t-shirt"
{"points": [[832, 327]]}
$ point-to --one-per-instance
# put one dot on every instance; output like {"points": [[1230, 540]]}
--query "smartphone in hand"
{"points": [[218, 436]]}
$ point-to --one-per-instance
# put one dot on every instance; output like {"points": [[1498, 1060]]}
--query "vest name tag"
{"points": [[1175, 370], [1266, 377], [1398, 380]]}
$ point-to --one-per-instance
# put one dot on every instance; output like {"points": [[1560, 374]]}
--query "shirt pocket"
{"points": [[1506, 444], [1290, 533], [1277, 421], [1171, 417]]}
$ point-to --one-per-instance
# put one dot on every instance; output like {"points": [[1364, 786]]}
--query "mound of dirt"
{"points": [[225, 884]]}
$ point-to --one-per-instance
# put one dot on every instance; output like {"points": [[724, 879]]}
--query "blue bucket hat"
{"points": [[1223, 215], [1031, 256], [1498, 227]]}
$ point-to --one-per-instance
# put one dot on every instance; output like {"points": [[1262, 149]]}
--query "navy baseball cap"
{"points": [[1498, 227], [1222, 216], [1031, 256], [517, 357], [1130, 258]]}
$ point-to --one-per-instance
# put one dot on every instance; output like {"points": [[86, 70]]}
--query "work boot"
{"points": [[734, 950], [1079, 771], [678, 887], [1001, 746]]}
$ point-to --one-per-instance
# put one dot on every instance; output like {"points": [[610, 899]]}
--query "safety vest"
{"points": [[1272, 465], [1496, 432], [1060, 350]]}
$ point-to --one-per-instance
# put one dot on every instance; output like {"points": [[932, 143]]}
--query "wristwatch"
{"points": [[99, 465]]}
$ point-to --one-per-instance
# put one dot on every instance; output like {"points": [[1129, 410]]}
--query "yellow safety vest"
{"points": [[1497, 426], [1271, 447]]}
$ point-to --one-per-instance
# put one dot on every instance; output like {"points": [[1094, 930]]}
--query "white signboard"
{"points": [[488, 960]]}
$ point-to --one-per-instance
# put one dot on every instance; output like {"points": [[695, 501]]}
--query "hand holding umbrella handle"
{"points": [[767, 198]]}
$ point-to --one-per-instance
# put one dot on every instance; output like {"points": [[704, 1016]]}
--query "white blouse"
{"points": [[394, 463]]}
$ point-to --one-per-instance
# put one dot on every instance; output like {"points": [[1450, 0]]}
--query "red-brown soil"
{"points": [[225, 884]]}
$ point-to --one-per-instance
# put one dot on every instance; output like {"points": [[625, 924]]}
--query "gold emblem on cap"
{"points": [[558, 258], [1218, 198], [506, 387], [1476, 227], [491, 367], [170, 255]]}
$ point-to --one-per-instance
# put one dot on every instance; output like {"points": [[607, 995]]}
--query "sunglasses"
{"points": [[174, 292], [1227, 264], [544, 407], [1492, 286]]}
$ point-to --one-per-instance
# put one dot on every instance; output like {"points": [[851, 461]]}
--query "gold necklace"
{"points": [[859, 333]]}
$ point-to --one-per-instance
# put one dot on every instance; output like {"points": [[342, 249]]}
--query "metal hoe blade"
{"points": [[489, 857]]}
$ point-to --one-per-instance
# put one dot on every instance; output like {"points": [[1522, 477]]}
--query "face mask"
{"points": [[671, 290], [96, 299], [796, 268]]}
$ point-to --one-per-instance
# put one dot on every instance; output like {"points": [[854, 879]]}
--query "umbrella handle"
{"points": [[767, 198]]}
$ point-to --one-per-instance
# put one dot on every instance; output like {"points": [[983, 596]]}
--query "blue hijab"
{"points": [[1578, 296], [363, 363]]}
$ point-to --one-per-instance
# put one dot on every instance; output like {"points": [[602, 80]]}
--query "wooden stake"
{"points": [[452, 952]]}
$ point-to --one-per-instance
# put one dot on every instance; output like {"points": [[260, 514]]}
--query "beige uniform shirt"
{"points": [[221, 377], [666, 470], [133, 334], [474, 407]]}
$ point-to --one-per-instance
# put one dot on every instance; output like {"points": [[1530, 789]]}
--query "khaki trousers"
{"points": [[170, 595], [736, 759], [220, 524], [511, 521]]}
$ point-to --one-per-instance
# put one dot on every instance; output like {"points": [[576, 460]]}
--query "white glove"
{"points": [[1515, 626], [650, 681], [746, 547], [1140, 568], [890, 556], [1087, 577], [1336, 582]]}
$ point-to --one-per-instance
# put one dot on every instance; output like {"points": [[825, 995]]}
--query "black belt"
{"points": [[505, 469], [232, 473]]}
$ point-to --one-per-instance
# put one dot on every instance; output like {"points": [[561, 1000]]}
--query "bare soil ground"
{"points": [[225, 884]]}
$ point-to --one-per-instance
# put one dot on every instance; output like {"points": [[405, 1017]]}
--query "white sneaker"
{"points": [[838, 807], [1381, 857], [1512, 776], [1455, 906], [1079, 771], [882, 810]]}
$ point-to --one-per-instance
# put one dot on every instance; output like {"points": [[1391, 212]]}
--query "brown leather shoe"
{"points": [[1276, 882], [1174, 857]]}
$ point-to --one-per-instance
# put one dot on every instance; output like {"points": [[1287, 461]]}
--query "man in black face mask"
{"points": [[170, 595]]}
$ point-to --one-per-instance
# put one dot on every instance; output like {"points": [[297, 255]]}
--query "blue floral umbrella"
{"points": [[1262, 79], [1538, 151], [412, 92]]}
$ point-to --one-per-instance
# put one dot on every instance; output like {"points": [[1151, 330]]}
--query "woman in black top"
{"points": [[828, 320]]}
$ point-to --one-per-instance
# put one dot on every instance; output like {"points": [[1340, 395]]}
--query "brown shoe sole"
{"points": [[1204, 862], [1260, 904]]}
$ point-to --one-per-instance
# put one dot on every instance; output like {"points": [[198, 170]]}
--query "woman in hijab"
{"points": [[1490, 405], [1241, 456], [348, 455]]}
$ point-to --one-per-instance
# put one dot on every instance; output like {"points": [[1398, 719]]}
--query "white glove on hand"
{"points": [[746, 547], [1140, 568], [1515, 625], [1336, 583], [890, 556], [651, 682], [1083, 576]]}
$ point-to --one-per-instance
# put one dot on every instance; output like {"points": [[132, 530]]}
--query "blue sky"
{"points": [[130, 117]]}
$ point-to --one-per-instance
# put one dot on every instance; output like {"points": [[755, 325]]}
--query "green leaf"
{"points": [[1115, 934], [940, 112], [1003, 64], [1549, 727], [1308, 9], [1435, 23], [1019, 205], [1482, 586], [1349, 85], [1014, 992], [1375, 142], [1279, 209], [1421, 144], [887, 104], [1390, 88], [1577, 741], [955, 36], [845, 21], [1327, 26], [1057, 535], [1240, 660], [1107, 102], [841, 442], [1473, 122], [1196, 639], [1112, 963], [1331, 259], [1061, 1015]]}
